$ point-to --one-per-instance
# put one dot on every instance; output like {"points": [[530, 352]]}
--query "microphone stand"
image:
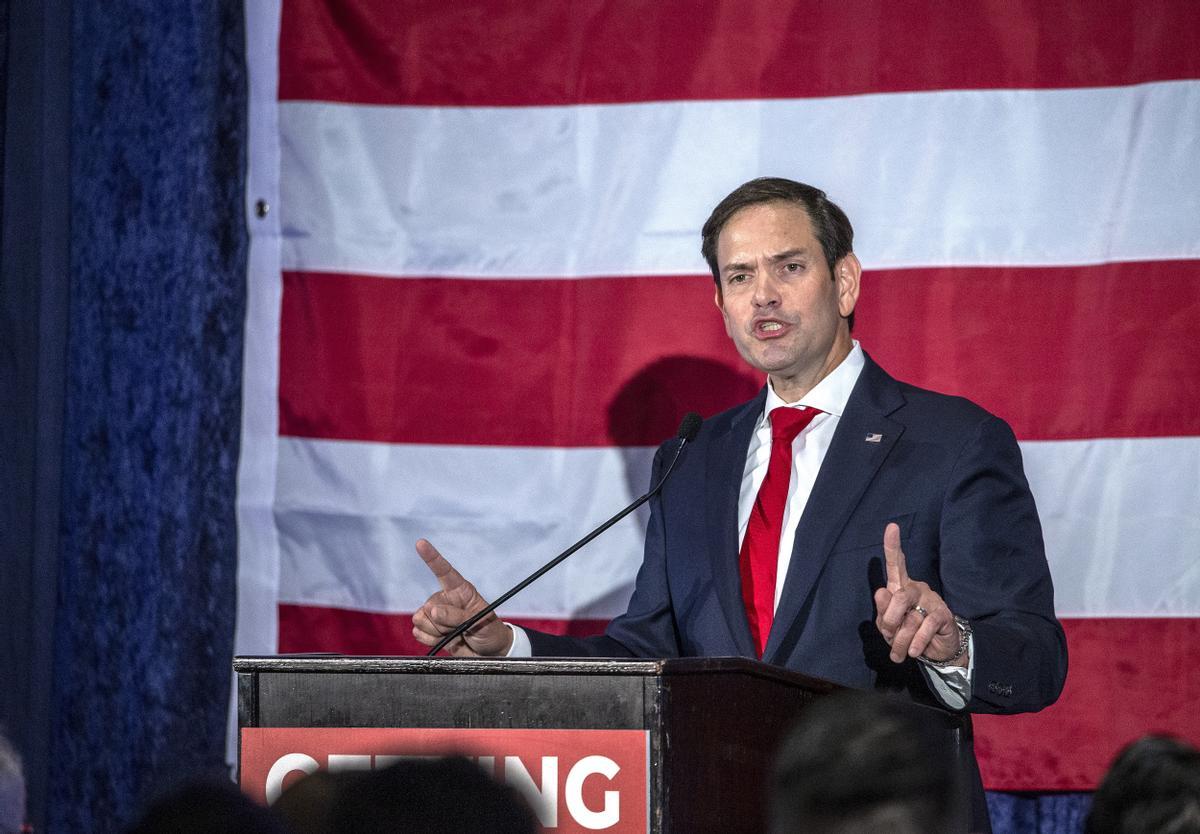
{"points": [[687, 431]]}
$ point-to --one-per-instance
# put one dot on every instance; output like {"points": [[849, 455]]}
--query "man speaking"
{"points": [[841, 524]]}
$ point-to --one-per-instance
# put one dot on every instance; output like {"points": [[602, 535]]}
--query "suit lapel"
{"points": [[847, 471], [723, 479]]}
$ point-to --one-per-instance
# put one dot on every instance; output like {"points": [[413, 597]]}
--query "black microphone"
{"points": [[687, 432]]}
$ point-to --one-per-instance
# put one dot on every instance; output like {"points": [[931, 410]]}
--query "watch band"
{"points": [[964, 641]]}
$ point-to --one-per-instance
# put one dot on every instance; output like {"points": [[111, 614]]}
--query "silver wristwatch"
{"points": [[964, 641]]}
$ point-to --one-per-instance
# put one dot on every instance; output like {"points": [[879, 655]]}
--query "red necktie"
{"points": [[759, 560]]}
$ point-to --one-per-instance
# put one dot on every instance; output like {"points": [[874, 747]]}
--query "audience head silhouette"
{"points": [[432, 796], [860, 762], [1153, 786]]}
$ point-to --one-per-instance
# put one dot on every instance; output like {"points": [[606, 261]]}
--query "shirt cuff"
{"points": [[521, 647], [951, 684]]}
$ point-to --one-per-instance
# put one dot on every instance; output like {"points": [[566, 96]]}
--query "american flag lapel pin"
{"points": [[874, 438]]}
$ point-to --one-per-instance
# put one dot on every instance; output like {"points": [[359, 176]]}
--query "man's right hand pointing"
{"points": [[456, 602]]}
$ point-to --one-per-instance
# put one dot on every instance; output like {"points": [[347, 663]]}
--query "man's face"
{"points": [[782, 308]]}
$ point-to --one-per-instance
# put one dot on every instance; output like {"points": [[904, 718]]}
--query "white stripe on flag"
{"points": [[348, 514], [1041, 177], [1121, 524], [1120, 537]]}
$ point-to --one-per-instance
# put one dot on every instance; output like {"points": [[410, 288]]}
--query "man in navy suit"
{"points": [[905, 553]]}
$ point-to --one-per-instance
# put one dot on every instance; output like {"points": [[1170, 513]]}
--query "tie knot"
{"points": [[786, 423]]}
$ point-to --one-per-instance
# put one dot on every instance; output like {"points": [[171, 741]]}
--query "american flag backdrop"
{"points": [[477, 300]]}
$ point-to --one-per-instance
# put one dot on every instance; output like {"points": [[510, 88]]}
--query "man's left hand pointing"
{"points": [[913, 619]]}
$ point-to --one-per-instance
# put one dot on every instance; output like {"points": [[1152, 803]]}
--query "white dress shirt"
{"points": [[952, 684], [829, 396]]}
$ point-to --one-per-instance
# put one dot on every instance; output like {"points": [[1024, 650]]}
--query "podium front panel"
{"points": [[700, 733]]}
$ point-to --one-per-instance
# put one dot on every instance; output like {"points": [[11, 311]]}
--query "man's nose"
{"points": [[766, 291]]}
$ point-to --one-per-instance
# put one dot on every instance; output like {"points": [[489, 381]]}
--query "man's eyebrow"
{"points": [[789, 253], [737, 266], [743, 266]]}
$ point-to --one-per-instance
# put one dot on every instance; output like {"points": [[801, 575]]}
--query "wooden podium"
{"points": [[705, 730]]}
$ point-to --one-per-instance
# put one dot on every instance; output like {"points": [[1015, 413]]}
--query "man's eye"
{"points": [[794, 267], [737, 279]]}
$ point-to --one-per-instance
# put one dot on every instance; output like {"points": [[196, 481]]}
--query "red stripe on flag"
{"points": [[1128, 677], [1060, 352], [594, 362], [475, 52], [311, 628]]}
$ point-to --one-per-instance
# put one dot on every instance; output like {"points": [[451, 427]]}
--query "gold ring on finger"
{"points": [[919, 610]]}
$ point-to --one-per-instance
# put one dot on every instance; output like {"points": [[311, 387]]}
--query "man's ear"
{"points": [[847, 275], [720, 302]]}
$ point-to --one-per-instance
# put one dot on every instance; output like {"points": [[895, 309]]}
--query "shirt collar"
{"points": [[830, 394]]}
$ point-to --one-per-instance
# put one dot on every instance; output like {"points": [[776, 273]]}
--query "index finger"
{"points": [[446, 575], [893, 557]]}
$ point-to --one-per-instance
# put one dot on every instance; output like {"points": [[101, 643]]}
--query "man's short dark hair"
{"points": [[1152, 786], [862, 762], [830, 224]]}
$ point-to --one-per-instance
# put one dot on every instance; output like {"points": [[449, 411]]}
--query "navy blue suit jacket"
{"points": [[945, 470]]}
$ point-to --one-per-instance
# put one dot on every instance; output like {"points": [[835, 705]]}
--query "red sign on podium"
{"points": [[575, 780]]}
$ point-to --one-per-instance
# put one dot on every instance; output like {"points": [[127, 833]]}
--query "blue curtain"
{"points": [[1014, 813], [145, 615]]}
